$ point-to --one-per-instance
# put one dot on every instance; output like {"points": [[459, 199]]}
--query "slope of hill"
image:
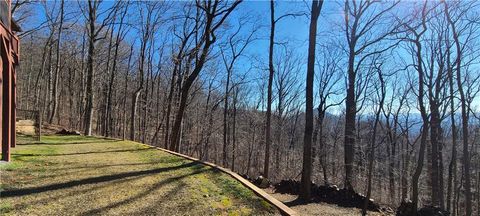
{"points": [[74, 175]]}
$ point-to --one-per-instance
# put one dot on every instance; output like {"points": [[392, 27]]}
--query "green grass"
{"points": [[74, 175]]}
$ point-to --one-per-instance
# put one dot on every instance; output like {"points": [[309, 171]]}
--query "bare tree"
{"points": [[457, 32], [94, 34], [328, 77], [230, 53], [56, 75], [360, 19], [305, 191], [417, 31], [271, 71], [185, 38], [380, 99], [452, 168], [288, 91], [215, 13], [121, 33], [151, 19]]}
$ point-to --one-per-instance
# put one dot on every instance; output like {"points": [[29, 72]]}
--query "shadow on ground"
{"points": [[94, 180]]}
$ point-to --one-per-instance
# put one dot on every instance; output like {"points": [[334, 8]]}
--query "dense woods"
{"points": [[380, 97]]}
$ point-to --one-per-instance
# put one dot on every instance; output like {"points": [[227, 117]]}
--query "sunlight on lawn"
{"points": [[76, 175]]}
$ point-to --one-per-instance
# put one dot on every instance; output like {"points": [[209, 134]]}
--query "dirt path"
{"points": [[318, 208]]}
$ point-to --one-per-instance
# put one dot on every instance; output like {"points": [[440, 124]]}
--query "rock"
{"points": [[262, 182], [328, 194], [245, 176], [406, 208], [288, 187], [344, 197], [432, 211], [68, 132]]}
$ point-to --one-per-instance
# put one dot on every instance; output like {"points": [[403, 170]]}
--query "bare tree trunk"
{"points": [[94, 29], [209, 39], [405, 167], [136, 94], [226, 131], [133, 113], [146, 98], [92, 16], [169, 107], [234, 127], [37, 85], [49, 85], [419, 64], [268, 129], [350, 116], [371, 159], [305, 190], [57, 67], [465, 110], [176, 68], [125, 89], [118, 39], [82, 102]]}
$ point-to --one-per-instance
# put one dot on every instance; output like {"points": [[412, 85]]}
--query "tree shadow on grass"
{"points": [[87, 181], [101, 166], [159, 206], [139, 196], [36, 143], [79, 169], [18, 155], [74, 193]]}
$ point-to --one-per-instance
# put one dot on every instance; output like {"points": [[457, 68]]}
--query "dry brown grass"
{"points": [[73, 175]]}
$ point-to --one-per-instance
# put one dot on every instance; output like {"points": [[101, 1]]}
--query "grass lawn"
{"points": [[74, 175]]}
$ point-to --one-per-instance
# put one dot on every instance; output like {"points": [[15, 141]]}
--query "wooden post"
{"points": [[13, 107], [3, 149], [6, 99], [39, 125]]}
